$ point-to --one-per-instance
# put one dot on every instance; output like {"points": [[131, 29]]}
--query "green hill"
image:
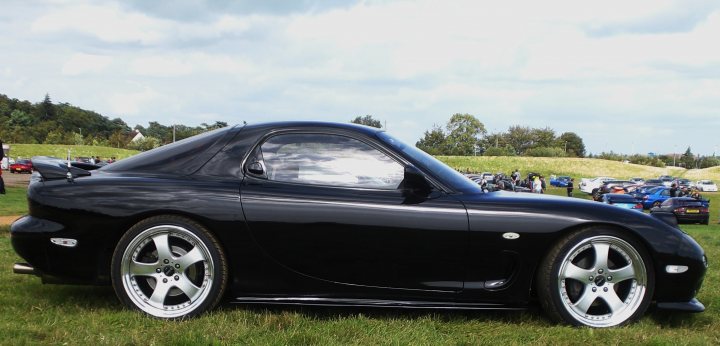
{"points": [[574, 167], [61, 150]]}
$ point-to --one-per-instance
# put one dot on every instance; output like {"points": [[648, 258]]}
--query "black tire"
{"points": [[575, 287], [169, 267]]}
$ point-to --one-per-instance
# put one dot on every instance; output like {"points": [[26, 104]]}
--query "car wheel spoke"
{"points": [[195, 255], [161, 291], [613, 301], [601, 255], [142, 269], [625, 273], [187, 287], [162, 245], [588, 297], [574, 272]]}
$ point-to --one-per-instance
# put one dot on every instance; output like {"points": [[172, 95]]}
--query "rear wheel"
{"points": [[169, 267], [596, 277], [656, 204]]}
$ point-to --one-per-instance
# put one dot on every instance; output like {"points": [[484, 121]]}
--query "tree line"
{"points": [[465, 135], [48, 123]]}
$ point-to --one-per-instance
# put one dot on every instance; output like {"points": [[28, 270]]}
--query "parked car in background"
{"points": [[655, 196], [666, 180], [623, 201], [706, 186], [489, 177], [639, 181], [22, 166], [588, 185], [682, 182], [653, 182], [561, 181], [611, 186], [685, 209]]}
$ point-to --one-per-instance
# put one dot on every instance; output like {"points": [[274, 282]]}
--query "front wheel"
{"points": [[596, 277], [169, 267]]}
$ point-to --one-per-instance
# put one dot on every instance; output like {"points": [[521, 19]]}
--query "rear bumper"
{"points": [[693, 218]]}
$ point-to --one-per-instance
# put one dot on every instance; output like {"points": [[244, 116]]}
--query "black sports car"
{"points": [[341, 214]]}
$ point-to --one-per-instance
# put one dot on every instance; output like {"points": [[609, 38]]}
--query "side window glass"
{"points": [[333, 160], [665, 193]]}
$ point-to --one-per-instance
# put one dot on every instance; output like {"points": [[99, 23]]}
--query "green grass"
{"points": [[59, 150], [33, 313], [14, 202]]}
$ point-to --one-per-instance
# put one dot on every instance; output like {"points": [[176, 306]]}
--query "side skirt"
{"points": [[350, 302]]}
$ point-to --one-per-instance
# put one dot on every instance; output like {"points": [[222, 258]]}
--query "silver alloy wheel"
{"points": [[167, 271], [602, 281]]}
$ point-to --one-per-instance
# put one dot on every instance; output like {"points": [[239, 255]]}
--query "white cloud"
{"points": [[107, 23], [558, 63], [134, 102], [85, 63]]}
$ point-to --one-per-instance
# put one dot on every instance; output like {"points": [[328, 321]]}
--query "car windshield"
{"points": [[23, 162], [457, 181], [706, 182]]}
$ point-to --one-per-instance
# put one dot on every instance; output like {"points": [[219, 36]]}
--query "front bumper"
{"points": [[693, 305]]}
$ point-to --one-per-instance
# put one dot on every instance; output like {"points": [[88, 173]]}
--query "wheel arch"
{"points": [[576, 228]]}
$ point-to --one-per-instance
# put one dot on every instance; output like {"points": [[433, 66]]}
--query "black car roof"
{"points": [[186, 156]]}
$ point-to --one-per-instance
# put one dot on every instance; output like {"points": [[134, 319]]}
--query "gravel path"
{"points": [[16, 179]]}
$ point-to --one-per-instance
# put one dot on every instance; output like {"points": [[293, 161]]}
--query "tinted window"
{"points": [[321, 159]]}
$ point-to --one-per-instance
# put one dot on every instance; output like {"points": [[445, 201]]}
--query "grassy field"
{"points": [[33, 313], [14, 202], [30, 150], [574, 167]]}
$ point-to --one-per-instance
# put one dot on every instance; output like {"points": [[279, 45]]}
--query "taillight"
{"points": [[680, 210], [703, 210], [638, 206]]}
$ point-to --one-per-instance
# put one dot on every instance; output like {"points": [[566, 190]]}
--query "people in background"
{"points": [[673, 190], [570, 187]]}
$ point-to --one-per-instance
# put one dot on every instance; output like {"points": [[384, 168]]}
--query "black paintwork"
{"points": [[292, 243]]}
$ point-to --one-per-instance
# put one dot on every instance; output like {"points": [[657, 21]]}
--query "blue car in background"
{"points": [[623, 201], [653, 197], [561, 181]]}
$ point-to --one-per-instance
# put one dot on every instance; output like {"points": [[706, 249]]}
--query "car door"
{"points": [[330, 207]]}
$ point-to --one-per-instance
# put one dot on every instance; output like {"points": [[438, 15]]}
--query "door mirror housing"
{"points": [[256, 168], [415, 182]]}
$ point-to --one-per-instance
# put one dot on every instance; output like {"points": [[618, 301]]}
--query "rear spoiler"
{"points": [[52, 168]]}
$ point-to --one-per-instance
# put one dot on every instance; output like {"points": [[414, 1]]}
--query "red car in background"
{"points": [[21, 166]]}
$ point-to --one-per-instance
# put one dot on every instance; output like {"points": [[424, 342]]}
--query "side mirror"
{"points": [[256, 168], [414, 182]]}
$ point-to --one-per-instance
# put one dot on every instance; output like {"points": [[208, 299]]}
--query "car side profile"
{"points": [[706, 186], [326, 214]]}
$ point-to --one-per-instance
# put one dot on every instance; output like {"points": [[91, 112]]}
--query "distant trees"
{"points": [[466, 135], [463, 136], [50, 123], [367, 120]]}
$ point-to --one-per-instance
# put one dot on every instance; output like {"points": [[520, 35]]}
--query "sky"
{"points": [[627, 76]]}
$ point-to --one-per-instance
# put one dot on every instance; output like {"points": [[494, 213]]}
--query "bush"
{"points": [[545, 152]]}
